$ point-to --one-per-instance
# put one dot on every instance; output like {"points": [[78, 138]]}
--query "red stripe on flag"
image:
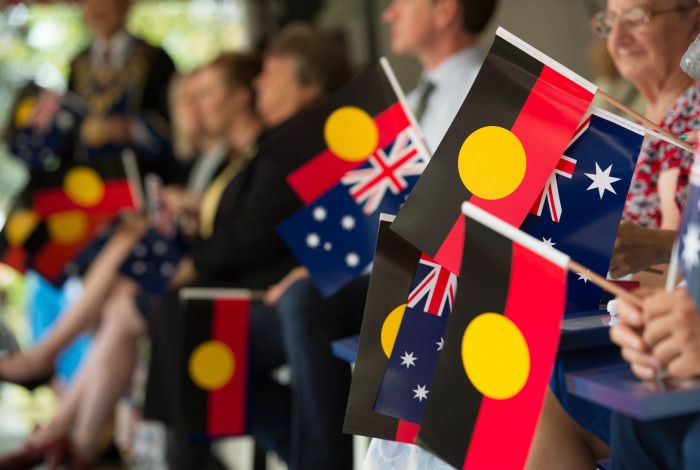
{"points": [[539, 322], [450, 253], [542, 141], [117, 196], [227, 405], [325, 170], [407, 432], [16, 258], [544, 126], [51, 259]]}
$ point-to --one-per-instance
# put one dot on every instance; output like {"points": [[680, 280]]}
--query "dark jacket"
{"points": [[245, 249]]}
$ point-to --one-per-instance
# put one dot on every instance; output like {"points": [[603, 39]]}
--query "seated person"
{"points": [[237, 245], [663, 335], [206, 123], [82, 415], [573, 433]]}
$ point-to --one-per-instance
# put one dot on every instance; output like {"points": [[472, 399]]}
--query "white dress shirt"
{"points": [[452, 80]]}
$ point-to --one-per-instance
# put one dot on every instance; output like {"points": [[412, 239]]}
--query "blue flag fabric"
{"points": [[153, 261], [581, 206], [689, 236], [335, 236], [41, 149], [409, 372]]}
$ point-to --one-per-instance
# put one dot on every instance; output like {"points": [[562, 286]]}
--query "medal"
{"points": [[93, 132]]}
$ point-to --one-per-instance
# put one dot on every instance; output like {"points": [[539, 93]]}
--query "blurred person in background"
{"points": [[74, 433], [124, 84]]}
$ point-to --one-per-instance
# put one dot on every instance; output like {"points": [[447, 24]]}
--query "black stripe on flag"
{"points": [[394, 267], [506, 78], [483, 287], [199, 318]]}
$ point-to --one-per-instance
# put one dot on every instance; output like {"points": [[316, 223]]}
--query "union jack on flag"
{"points": [[550, 195], [335, 235], [438, 288], [409, 372], [386, 170]]}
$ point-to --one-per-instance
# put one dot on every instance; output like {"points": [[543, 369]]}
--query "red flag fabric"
{"points": [[498, 153], [500, 345]]}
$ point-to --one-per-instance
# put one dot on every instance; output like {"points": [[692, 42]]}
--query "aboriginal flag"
{"points": [[500, 345], [498, 153], [47, 245], [214, 368], [395, 263], [98, 186], [340, 134]]}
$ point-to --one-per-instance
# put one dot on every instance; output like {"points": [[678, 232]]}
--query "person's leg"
{"points": [[653, 444], [269, 403], [691, 445], [110, 368], [321, 381], [560, 442], [99, 280]]}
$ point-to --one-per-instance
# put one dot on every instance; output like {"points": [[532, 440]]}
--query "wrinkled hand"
{"points": [[672, 332], [637, 248], [627, 334], [273, 294]]}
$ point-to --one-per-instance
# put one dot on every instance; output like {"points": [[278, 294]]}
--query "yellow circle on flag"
{"points": [[211, 365], [67, 228], [495, 356], [23, 112], [351, 133], [492, 162], [84, 186], [390, 329], [20, 225]]}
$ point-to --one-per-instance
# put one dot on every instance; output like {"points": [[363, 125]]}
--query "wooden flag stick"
{"points": [[646, 122], [604, 284]]}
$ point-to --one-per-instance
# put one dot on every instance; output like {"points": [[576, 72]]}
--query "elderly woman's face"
{"points": [[652, 50]]}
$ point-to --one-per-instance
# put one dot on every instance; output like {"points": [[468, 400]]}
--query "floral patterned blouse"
{"points": [[643, 205]]}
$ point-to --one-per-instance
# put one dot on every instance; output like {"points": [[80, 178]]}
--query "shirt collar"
{"points": [[451, 67], [118, 46]]}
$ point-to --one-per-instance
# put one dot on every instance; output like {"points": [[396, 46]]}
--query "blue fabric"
{"points": [[44, 305], [670, 443], [579, 220], [594, 418]]}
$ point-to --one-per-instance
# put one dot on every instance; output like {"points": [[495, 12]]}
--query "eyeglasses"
{"points": [[634, 17]]}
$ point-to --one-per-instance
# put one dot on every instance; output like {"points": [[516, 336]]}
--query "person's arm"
{"points": [[667, 184], [638, 248]]}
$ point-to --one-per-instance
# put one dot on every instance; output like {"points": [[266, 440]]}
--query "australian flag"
{"points": [[689, 237], [581, 205], [153, 261], [335, 235], [409, 372]]}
